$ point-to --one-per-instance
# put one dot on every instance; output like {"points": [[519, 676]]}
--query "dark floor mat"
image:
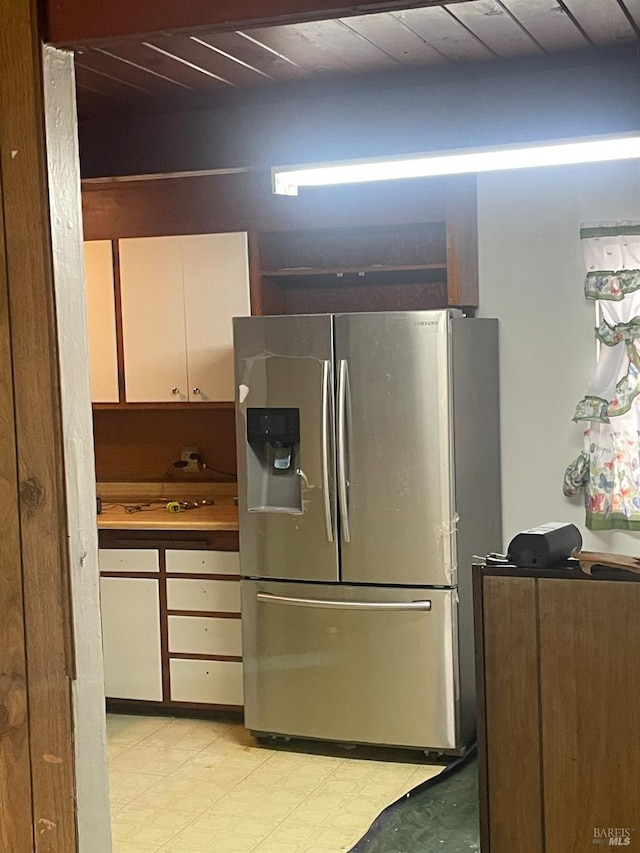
{"points": [[441, 814]]}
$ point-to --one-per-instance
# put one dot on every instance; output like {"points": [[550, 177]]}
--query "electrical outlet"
{"points": [[190, 456]]}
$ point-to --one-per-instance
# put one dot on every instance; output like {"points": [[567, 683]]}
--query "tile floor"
{"points": [[201, 786]]}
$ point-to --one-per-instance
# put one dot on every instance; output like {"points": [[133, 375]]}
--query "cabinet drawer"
{"points": [[212, 596], [209, 681], [203, 562], [128, 560], [205, 635]]}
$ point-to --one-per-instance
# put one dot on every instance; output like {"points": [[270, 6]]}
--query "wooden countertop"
{"points": [[119, 498]]}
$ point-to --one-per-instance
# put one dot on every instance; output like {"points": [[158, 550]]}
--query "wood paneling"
{"points": [[395, 268], [344, 298], [494, 27], [481, 705], [445, 34], [74, 22], [604, 22], [245, 48], [462, 243], [590, 672], [38, 433], [325, 47], [221, 62], [204, 56], [632, 9], [470, 105], [16, 832], [391, 35], [141, 446], [245, 202], [548, 23], [512, 715]]}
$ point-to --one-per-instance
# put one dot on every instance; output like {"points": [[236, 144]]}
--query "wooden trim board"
{"points": [[36, 405], [15, 785], [74, 21], [80, 546]]}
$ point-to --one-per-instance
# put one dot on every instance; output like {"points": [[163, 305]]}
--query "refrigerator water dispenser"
{"points": [[273, 446]]}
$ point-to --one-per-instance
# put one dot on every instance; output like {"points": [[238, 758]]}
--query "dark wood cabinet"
{"points": [[558, 695], [392, 267], [388, 245]]}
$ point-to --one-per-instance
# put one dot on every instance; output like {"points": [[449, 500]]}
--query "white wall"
{"points": [[531, 278]]}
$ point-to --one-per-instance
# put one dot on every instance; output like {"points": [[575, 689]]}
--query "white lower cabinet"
{"points": [[131, 638], [205, 635], [203, 624], [203, 562], [204, 595], [206, 681]]}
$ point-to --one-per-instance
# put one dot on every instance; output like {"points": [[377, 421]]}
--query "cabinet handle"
{"points": [[196, 391], [175, 391]]}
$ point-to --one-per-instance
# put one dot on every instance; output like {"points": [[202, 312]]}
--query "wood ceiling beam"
{"points": [[74, 23]]}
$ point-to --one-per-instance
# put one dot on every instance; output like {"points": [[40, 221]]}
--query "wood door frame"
{"points": [[49, 695], [89, 729]]}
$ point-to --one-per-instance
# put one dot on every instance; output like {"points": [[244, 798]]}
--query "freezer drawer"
{"points": [[356, 664]]}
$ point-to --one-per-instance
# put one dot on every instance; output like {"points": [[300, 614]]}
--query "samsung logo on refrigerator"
{"points": [[425, 322]]}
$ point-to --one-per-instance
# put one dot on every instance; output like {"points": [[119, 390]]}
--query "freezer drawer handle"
{"points": [[344, 605], [327, 402]]}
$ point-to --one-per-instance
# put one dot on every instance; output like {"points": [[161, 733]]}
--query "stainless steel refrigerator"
{"points": [[368, 476]]}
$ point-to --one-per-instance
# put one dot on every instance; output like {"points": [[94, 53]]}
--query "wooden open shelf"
{"points": [[398, 267]]}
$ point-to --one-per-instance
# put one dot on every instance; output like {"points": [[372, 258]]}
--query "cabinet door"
{"points": [[155, 365], [131, 638], [101, 320], [216, 282]]}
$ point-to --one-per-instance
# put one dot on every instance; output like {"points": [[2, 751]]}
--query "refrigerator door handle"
{"points": [[327, 433], [343, 492], [268, 598]]}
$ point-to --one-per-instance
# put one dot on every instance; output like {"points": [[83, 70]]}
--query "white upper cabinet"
{"points": [[152, 293], [179, 295], [101, 319], [216, 288]]}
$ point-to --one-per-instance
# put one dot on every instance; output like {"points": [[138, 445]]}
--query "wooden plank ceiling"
{"points": [[165, 73]]}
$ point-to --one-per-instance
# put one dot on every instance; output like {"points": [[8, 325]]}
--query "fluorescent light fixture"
{"points": [[288, 179]]}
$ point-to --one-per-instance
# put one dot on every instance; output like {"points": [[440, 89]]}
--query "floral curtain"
{"points": [[608, 469]]}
